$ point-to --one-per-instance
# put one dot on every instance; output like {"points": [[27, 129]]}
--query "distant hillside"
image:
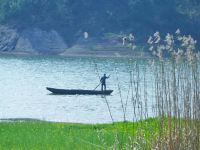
{"points": [[70, 18]]}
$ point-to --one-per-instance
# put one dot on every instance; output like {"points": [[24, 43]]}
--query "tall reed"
{"points": [[174, 95]]}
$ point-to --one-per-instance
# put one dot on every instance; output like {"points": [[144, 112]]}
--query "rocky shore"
{"points": [[30, 41], [35, 41]]}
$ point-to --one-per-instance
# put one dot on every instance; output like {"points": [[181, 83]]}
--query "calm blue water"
{"points": [[23, 82]]}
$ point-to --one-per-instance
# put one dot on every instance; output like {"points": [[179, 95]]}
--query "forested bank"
{"points": [[70, 19]]}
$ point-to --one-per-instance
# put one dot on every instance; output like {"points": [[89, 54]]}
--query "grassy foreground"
{"points": [[47, 135]]}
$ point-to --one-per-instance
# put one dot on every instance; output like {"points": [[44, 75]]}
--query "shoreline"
{"points": [[87, 53], [13, 120]]}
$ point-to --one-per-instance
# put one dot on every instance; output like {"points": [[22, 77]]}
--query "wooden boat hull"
{"points": [[78, 92]]}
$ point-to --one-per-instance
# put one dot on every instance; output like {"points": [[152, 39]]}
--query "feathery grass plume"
{"points": [[157, 37], [177, 91], [175, 46], [129, 41]]}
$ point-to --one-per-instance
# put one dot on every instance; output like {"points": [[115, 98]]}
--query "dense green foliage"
{"points": [[45, 135], [69, 17]]}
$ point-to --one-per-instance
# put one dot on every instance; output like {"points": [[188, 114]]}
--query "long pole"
{"points": [[97, 86]]}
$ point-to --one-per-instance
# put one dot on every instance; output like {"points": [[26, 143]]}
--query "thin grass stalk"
{"points": [[145, 94], [120, 94]]}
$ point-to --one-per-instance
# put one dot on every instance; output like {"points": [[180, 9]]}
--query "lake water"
{"points": [[23, 82]]}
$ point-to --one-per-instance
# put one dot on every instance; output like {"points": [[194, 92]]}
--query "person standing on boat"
{"points": [[103, 82]]}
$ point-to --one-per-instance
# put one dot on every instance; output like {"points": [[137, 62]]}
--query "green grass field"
{"points": [[36, 135]]}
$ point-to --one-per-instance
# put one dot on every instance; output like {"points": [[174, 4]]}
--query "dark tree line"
{"points": [[71, 17]]}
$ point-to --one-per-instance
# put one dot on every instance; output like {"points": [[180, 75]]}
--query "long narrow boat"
{"points": [[78, 92]]}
